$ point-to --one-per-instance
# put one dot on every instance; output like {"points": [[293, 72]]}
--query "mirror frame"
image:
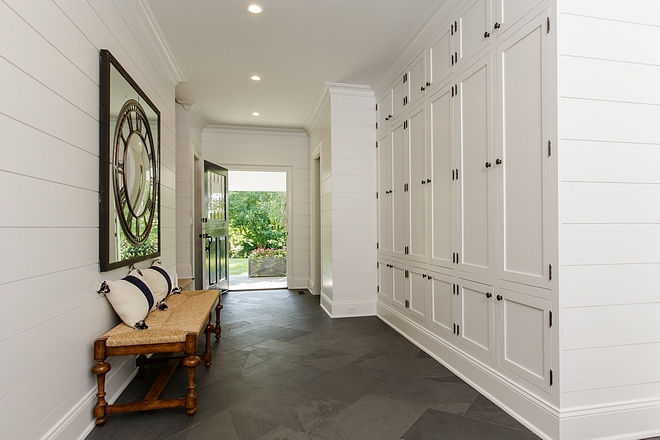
{"points": [[108, 202]]}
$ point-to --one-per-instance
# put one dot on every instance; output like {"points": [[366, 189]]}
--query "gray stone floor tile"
{"points": [[283, 433], [347, 384], [134, 425], [486, 411], [437, 425], [296, 410], [394, 363], [442, 374], [277, 333], [226, 425], [371, 418], [446, 396], [329, 359]]}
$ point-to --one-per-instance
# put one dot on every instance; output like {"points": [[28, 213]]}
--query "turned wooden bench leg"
{"points": [[141, 363], [218, 329], [207, 352], [191, 361], [100, 370]]}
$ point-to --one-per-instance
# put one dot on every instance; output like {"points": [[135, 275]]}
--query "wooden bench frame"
{"points": [[151, 401]]}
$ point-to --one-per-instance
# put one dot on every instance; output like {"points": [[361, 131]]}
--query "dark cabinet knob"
{"points": [[500, 298], [496, 26], [489, 295], [498, 161], [486, 34], [428, 83], [428, 180], [422, 88], [487, 164], [423, 182]]}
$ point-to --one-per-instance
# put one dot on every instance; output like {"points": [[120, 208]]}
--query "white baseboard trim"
{"points": [[347, 309], [79, 421]]}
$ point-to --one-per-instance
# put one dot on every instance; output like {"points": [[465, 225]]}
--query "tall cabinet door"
{"points": [[507, 12], [474, 25], [419, 181], [384, 196], [443, 178], [400, 187], [475, 177], [523, 162], [440, 56]]}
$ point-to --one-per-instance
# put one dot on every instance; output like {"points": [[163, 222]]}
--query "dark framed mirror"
{"points": [[129, 175]]}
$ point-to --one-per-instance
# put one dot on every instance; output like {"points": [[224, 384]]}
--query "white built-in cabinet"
{"points": [[465, 157]]}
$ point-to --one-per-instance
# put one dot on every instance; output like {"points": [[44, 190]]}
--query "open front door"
{"points": [[214, 227]]}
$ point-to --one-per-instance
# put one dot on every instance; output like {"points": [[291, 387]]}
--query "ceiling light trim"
{"points": [[235, 129]]}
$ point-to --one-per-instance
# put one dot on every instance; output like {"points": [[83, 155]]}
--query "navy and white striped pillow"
{"points": [[131, 297], [160, 282]]}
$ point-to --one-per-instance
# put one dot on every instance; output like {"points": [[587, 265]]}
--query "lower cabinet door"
{"points": [[443, 292], [399, 287], [385, 281], [525, 337], [418, 288], [475, 323]]}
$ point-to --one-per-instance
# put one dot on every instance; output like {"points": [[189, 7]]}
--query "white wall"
{"points": [[344, 126], [189, 125], [609, 131], [49, 106], [271, 149]]}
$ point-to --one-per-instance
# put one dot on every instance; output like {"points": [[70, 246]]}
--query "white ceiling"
{"points": [[294, 45]]}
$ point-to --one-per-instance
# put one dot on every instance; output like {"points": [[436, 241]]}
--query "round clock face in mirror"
{"points": [[134, 173]]}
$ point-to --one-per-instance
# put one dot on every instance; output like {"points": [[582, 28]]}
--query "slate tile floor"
{"points": [[284, 370]]}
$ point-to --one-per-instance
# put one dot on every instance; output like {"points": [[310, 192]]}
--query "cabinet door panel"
{"points": [[477, 318], [399, 287], [384, 109], [418, 186], [417, 78], [474, 137], [442, 182], [525, 337], [474, 20], [440, 54], [507, 12], [399, 196], [384, 196], [442, 303], [397, 97], [523, 176], [418, 292], [385, 281]]}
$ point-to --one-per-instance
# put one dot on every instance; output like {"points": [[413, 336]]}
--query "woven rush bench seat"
{"points": [[174, 330]]}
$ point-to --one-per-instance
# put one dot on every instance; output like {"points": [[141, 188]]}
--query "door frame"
{"points": [[289, 208]]}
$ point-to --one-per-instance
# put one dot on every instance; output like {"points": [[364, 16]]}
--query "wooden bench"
{"points": [[170, 331]]}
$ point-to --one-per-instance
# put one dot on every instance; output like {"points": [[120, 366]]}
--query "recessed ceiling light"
{"points": [[255, 9], [255, 113], [255, 78]]}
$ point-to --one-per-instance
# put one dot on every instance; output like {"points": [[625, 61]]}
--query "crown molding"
{"points": [[239, 129], [322, 102], [146, 17], [349, 89]]}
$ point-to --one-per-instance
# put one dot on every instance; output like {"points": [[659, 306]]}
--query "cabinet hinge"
{"points": [[547, 31], [549, 148], [405, 187], [376, 107], [407, 304], [376, 125], [552, 378], [406, 251], [457, 258], [376, 144], [452, 28], [377, 245], [377, 289], [377, 265], [549, 272], [452, 90], [405, 124], [550, 318], [407, 273], [452, 175], [456, 86], [458, 330], [376, 194], [405, 78]]}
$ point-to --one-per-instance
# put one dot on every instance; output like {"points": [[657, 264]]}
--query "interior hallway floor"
{"points": [[284, 370]]}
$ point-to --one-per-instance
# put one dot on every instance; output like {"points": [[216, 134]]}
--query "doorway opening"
{"points": [[257, 230]]}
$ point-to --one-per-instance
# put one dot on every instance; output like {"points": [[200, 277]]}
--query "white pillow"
{"points": [[131, 297], [160, 282]]}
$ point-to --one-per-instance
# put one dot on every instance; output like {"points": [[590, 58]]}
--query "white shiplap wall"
{"points": [[344, 125], [49, 105], [189, 125], [279, 150], [609, 194]]}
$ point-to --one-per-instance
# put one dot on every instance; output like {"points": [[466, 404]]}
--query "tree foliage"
{"points": [[257, 219]]}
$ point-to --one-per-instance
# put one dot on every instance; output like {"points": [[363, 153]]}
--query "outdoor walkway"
{"points": [[242, 282]]}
